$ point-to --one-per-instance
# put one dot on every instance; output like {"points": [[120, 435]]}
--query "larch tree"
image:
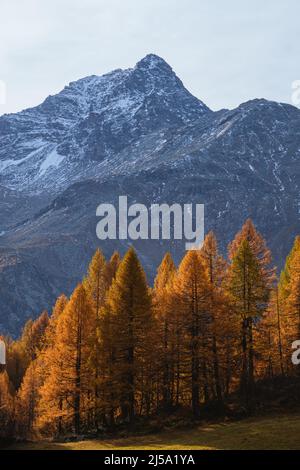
{"points": [[112, 267], [6, 406], [17, 362], [163, 312], [71, 377], [20, 353], [27, 401], [45, 354], [290, 264], [258, 247], [96, 285], [215, 266], [249, 296], [95, 282], [128, 305], [262, 255], [289, 294], [50, 332], [271, 333], [192, 291], [293, 309], [33, 335]]}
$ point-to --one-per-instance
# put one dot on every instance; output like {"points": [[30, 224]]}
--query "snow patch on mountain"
{"points": [[52, 159]]}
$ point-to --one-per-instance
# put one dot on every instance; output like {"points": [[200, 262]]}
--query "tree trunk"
{"points": [[77, 381]]}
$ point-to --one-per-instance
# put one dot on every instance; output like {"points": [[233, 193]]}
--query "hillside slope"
{"points": [[135, 132]]}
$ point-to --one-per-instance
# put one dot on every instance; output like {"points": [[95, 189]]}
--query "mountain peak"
{"points": [[151, 61], [93, 119]]}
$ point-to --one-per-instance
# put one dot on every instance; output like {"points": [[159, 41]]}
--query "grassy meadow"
{"points": [[272, 432]]}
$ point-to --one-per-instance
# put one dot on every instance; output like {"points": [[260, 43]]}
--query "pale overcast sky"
{"points": [[226, 52]]}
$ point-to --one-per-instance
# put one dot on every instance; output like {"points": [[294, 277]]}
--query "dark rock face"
{"points": [[135, 132]]}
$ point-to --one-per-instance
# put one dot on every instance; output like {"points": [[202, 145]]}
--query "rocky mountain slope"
{"points": [[135, 132]]}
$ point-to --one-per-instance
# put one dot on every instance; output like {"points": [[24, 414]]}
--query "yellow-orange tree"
{"points": [[249, 296], [27, 401], [67, 391], [112, 267], [163, 309], [262, 257], [192, 292], [215, 267], [128, 322], [6, 406], [96, 285], [289, 267]]}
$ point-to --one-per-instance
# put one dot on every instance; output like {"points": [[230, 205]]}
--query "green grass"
{"points": [[273, 432]]}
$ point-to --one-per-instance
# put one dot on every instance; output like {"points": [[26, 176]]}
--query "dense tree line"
{"points": [[118, 349]]}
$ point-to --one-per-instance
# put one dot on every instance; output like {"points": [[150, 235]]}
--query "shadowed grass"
{"points": [[273, 432]]}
